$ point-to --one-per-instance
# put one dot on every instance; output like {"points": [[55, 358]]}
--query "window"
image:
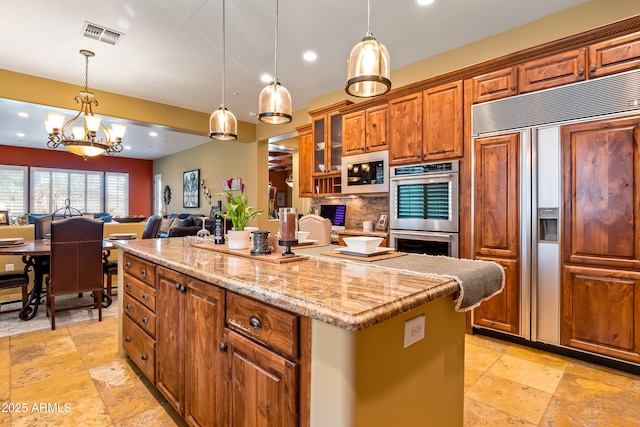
{"points": [[117, 192], [13, 190]]}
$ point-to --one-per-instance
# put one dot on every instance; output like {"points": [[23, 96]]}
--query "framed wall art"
{"points": [[381, 225], [191, 189], [4, 217]]}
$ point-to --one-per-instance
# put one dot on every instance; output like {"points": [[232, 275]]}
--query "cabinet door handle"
{"points": [[145, 296], [581, 71], [222, 347], [127, 338], [512, 87], [593, 68], [177, 286], [128, 306], [144, 356], [183, 289], [255, 322], [145, 320]]}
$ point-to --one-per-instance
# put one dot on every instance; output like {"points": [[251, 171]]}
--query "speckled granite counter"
{"points": [[348, 295]]}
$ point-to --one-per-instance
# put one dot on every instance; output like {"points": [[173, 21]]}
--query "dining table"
{"points": [[35, 255]]}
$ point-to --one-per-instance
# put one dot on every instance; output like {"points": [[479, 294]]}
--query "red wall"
{"points": [[140, 171]]}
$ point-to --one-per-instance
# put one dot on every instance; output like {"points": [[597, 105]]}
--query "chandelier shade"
{"points": [[223, 125], [274, 104], [88, 136], [368, 68]]}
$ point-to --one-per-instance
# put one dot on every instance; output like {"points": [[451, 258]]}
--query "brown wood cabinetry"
{"points": [[170, 336], [600, 306], [442, 121], [553, 70], [496, 225], [305, 157], [495, 85], [325, 158], [138, 324], [263, 345], [601, 311], [248, 373], [405, 129], [615, 55], [365, 130]]}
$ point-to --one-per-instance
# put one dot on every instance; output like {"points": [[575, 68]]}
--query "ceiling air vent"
{"points": [[103, 34]]}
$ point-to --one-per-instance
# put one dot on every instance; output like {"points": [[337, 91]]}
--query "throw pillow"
{"points": [[177, 222], [165, 225]]}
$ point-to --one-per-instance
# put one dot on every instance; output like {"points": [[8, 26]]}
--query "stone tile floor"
{"points": [[73, 377]]}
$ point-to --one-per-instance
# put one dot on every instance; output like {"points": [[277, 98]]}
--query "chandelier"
{"points": [[84, 139]]}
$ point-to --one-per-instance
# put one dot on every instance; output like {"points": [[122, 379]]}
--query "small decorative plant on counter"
{"points": [[237, 210]]}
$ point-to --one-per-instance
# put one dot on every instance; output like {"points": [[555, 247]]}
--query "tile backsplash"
{"points": [[358, 209]]}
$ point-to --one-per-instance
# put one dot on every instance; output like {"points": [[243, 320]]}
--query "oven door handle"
{"points": [[424, 177], [400, 233]]}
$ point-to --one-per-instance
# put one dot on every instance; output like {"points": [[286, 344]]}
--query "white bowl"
{"points": [[320, 145], [302, 235], [337, 167], [363, 244], [321, 167]]}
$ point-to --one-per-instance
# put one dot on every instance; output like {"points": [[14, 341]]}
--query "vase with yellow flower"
{"points": [[239, 213]]}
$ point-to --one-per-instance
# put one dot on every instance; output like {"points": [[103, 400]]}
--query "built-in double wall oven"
{"points": [[423, 211]]}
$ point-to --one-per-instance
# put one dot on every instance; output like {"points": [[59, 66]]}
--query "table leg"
{"points": [[30, 309]]}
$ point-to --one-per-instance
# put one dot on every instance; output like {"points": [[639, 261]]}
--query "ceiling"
{"points": [[170, 51]]}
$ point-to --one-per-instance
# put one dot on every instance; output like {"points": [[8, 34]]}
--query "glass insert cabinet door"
{"points": [[327, 144]]}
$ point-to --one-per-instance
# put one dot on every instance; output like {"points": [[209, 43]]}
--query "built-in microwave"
{"points": [[366, 173]]}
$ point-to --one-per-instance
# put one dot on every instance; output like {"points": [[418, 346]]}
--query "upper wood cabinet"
{"points": [[365, 131], [405, 129], [305, 157], [553, 70], [494, 85], [615, 55], [442, 121]]}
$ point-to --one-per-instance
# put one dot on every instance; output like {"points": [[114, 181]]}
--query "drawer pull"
{"points": [[145, 296], [183, 289], [255, 322], [145, 320], [128, 285], [144, 356], [127, 338], [128, 306], [144, 271], [222, 347], [128, 264], [177, 286]]}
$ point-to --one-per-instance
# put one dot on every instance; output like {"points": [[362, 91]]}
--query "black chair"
{"points": [[110, 268], [76, 263], [15, 279]]}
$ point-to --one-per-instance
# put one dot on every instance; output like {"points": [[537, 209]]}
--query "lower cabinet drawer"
{"points": [[140, 291], [144, 317], [276, 328], [140, 347]]}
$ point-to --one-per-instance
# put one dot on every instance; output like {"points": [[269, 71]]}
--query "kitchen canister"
{"points": [[260, 243]]}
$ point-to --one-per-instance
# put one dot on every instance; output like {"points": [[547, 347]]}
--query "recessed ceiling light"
{"points": [[310, 56], [424, 2], [23, 114], [127, 147], [153, 133], [266, 78], [20, 135]]}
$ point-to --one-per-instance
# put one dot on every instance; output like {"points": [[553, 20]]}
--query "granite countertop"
{"points": [[349, 295]]}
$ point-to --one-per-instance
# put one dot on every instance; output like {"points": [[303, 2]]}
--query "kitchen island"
{"points": [[317, 342]]}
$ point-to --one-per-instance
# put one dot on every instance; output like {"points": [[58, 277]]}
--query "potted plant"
{"points": [[239, 214]]}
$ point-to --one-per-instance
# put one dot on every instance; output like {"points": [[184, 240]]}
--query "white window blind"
{"points": [[51, 187], [117, 192], [13, 190]]}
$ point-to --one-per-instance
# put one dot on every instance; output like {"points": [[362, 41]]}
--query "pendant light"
{"points": [[275, 100], [368, 67], [223, 125]]}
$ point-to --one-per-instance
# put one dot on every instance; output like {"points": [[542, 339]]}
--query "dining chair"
{"points": [[76, 263], [110, 268], [15, 279], [319, 228]]}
